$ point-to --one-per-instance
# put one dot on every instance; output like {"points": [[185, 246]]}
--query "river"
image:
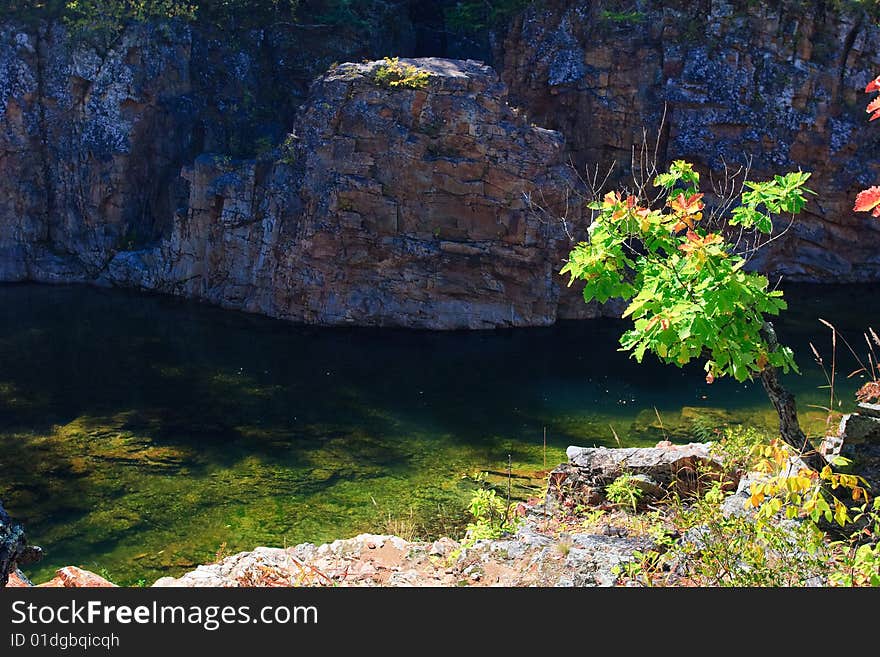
{"points": [[141, 435]]}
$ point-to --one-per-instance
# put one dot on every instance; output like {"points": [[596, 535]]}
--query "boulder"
{"points": [[656, 470], [18, 580], [859, 428], [385, 207], [858, 440], [71, 577]]}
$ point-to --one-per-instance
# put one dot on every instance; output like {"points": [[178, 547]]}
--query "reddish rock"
{"points": [[73, 577], [17, 581]]}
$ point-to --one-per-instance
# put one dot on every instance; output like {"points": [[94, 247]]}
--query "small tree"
{"points": [[688, 292]]}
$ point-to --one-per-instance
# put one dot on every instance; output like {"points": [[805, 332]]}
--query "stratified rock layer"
{"points": [[388, 207], [775, 85], [162, 163]]}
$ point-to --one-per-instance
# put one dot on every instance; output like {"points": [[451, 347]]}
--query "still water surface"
{"points": [[141, 435]]}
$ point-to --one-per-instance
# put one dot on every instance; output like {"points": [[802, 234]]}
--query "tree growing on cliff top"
{"points": [[688, 292]]}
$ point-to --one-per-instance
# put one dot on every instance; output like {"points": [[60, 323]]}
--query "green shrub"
{"points": [[481, 15], [624, 490], [394, 74], [630, 17], [101, 21], [493, 516], [288, 150]]}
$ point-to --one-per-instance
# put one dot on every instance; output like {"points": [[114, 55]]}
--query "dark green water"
{"points": [[139, 435]]}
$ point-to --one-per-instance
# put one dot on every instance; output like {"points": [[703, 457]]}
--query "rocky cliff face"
{"points": [[163, 163], [91, 147], [388, 206], [774, 84]]}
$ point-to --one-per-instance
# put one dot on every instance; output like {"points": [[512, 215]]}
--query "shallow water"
{"points": [[141, 435]]}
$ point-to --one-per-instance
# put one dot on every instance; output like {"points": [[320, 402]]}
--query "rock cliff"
{"points": [[91, 147], [386, 206], [163, 162], [778, 85]]}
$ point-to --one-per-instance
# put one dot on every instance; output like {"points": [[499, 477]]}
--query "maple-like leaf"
{"points": [[873, 85], [870, 392], [874, 106], [611, 198], [686, 205], [695, 242], [657, 319], [868, 200]]}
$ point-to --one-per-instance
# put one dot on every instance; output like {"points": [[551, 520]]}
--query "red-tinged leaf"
{"points": [[686, 205], [710, 378], [867, 200], [873, 106], [611, 198], [618, 214], [873, 85], [695, 242], [874, 116]]}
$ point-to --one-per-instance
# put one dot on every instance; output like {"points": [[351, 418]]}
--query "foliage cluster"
{"points": [[624, 490], [288, 150], [492, 516], [101, 21], [394, 74], [622, 17], [480, 15], [780, 538], [689, 295]]}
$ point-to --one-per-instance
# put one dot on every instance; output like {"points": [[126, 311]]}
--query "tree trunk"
{"points": [[789, 428]]}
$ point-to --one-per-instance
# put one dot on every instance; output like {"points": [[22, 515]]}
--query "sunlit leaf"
{"points": [[868, 200]]}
